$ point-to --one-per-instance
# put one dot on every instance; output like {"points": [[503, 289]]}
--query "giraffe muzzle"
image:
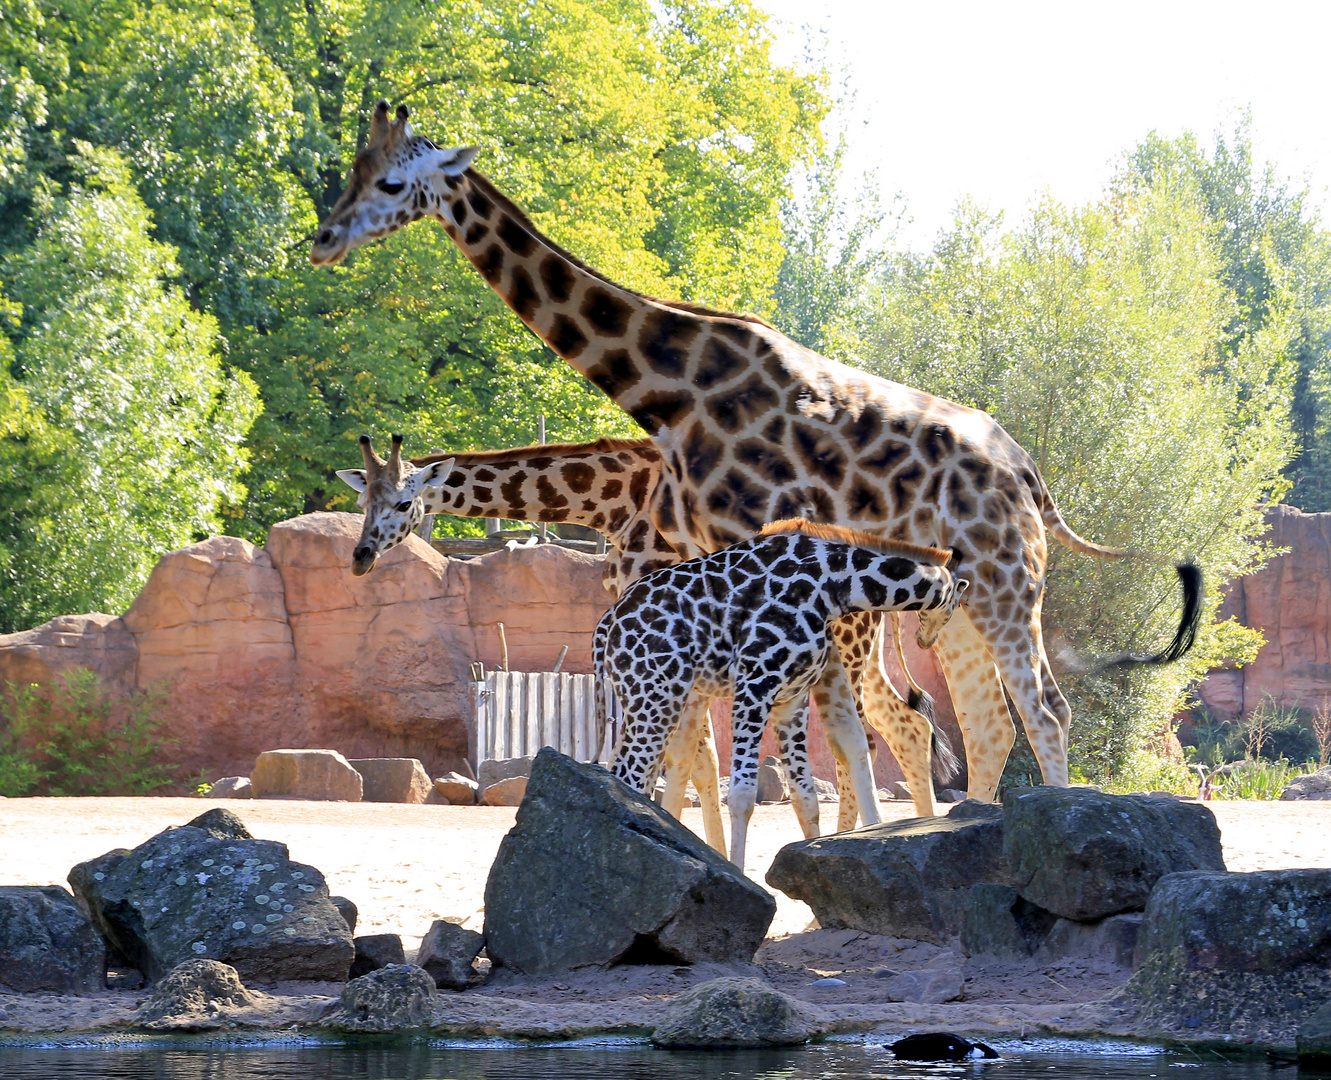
{"points": [[363, 560]]}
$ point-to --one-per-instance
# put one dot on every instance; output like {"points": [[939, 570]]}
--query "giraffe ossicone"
{"points": [[750, 621], [754, 428]]}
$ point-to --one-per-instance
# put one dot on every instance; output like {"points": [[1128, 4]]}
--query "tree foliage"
{"points": [[1102, 339]]}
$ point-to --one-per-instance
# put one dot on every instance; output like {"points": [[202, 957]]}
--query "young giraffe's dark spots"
{"points": [[457, 479], [483, 206], [607, 313], [719, 363], [598, 521], [483, 494], [664, 341], [476, 233], [461, 498], [611, 489], [523, 298], [614, 374], [566, 338], [511, 490], [638, 488], [519, 240], [619, 517], [665, 515], [491, 264], [579, 477]]}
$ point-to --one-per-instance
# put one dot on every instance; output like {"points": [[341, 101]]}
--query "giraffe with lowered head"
{"points": [[755, 428]]}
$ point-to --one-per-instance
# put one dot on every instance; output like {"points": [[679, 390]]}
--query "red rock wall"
{"points": [[281, 646], [1289, 600]]}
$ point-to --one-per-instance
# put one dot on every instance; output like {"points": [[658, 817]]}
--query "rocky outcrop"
{"points": [[395, 780], [277, 646], [1082, 854], [447, 952], [1289, 600], [195, 995], [733, 1013], [205, 890], [305, 774], [400, 997], [905, 879], [47, 943], [1244, 954], [593, 873], [375, 951]]}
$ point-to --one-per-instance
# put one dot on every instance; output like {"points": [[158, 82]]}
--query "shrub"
{"points": [[73, 737]]}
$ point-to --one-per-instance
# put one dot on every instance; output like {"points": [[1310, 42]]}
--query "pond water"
{"points": [[833, 1060]]}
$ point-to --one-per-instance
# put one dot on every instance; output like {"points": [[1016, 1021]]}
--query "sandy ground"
{"points": [[406, 865]]}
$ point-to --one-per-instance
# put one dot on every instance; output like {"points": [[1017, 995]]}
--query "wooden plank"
{"points": [[577, 734], [551, 718]]}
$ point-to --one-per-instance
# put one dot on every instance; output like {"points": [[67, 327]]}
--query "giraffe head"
{"points": [[391, 183], [390, 495], [931, 622]]}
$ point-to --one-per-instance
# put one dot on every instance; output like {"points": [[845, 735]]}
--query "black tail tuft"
{"points": [[1190, 576], [946, 765]]}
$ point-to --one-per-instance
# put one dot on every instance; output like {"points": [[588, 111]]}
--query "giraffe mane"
{"points": [[841, 535], [517, 214], [517, 453]]}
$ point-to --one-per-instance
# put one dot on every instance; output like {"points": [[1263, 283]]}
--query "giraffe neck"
{"points": [[646, 355], [606, 491]]}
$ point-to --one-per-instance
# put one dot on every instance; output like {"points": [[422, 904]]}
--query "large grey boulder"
{"points": [[733, 1012], [447, 952], [904, 879], [496, 769], [232, 787], [47, 943], [375, 951], [305, 774], [593, 873], [400, 997], [459, 790], [1314, 1037], [195, 995], [1312, 786], [202, 891], [1243, 954], [1083, 854], [996, 922], [392, 779]]}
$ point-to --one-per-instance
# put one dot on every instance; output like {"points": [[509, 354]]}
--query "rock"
{"points": [[306, 774], [593, 873], [47, 943], [508, 792], [903, 879], [374, 666], [375, 951], [221, 825], [932, 986], [193, 892], [395, 779], [232, 787], [1113, 939], [1289, 600], [347, 910], [447, 952], [901, 790], [1314, 1038], [1243, 954], [951, 795], [400, 997], [827, 792], [733, 1012], [1314, 785], [491, 772], [997, 922], [772, 784], [457, 789], [194, 995], [1083, 854]]}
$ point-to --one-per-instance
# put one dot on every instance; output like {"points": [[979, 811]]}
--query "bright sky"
{"points": [[1004, 100]]}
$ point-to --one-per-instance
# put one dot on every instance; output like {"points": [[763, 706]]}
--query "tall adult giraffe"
{"points": [[756, 428]]}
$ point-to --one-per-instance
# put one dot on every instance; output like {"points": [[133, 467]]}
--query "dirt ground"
{"points": [[405, 866]]}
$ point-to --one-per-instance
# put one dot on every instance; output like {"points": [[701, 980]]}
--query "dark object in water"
{"points": [[940, 1046]]}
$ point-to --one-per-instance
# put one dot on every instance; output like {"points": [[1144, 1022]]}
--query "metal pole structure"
{"points": [[543, 529]]}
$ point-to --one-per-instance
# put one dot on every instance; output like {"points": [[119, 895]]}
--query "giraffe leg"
{"points": [[908, 733], [977, 698], [1021, 665], [694, 731], [790, 720], [748, 718], [854, 635], [848, 810], [846, 736], [651, 713]]}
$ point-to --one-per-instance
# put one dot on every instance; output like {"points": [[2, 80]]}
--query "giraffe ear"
{"points": [[353, 478], [436, 472], [458, 160]]}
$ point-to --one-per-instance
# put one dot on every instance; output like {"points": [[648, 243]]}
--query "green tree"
{"points": [[120, 434], [1101, 339]]}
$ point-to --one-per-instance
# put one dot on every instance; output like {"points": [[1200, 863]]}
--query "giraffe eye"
{"points": [[389, 187], [403, 507]]}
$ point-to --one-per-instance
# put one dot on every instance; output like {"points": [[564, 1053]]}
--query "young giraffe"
{"points": [[756, 428], [604, 485], [751, 620]]}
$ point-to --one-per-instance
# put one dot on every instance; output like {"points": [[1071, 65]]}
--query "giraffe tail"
{"points": [[1059, 530], [945, 763]]}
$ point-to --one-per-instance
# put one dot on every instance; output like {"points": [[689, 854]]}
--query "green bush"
{"points": [[73, 737], [1270, 733], [1260, 779]]}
